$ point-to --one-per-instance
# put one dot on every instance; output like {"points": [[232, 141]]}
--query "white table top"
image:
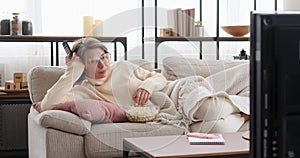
{"points": [[178, 146]]}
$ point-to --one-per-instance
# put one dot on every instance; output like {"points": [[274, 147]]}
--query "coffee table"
{"points": [[178, 146]]}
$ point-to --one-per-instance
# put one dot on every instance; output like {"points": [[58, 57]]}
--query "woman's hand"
{"points": [[67, 59], [141, 97]]}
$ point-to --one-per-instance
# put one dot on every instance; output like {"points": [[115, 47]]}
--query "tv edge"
{"points": [[274, 84]]}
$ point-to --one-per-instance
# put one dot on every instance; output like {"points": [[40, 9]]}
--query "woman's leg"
{"points": [[234, 81]]}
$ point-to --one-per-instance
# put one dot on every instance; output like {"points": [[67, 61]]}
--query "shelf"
{"points": [[172, 38], [26, 38], [12, 96], [158, 40], [234, 38], [57, 39], [2, 89]]}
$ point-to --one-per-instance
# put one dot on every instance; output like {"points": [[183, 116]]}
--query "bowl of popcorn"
{"points": [[142, 113]]}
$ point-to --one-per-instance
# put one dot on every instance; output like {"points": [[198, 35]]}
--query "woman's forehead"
{"points": [[93, 52]]}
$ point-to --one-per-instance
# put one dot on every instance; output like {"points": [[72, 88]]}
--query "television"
{"points": [[274, 84]]}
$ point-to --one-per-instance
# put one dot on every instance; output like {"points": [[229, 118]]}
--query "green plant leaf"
{"points": [[198, 23]]}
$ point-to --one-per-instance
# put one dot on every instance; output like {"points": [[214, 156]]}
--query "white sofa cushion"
{"points": [[106, 139], [61, 120], [143, 63], [175, 67]]}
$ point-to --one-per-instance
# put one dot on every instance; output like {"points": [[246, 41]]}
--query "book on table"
{"points": [[207, 141]]}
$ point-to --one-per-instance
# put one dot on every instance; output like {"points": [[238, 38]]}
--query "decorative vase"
{"points": [[26, 27], [199, 31], [5, 27], [16, 25]]}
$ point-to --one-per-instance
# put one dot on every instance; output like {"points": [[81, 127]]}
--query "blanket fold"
{"points": [[194, 104]]}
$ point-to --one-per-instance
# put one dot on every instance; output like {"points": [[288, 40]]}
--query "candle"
{"points": [[97, 28], [87, 25]]}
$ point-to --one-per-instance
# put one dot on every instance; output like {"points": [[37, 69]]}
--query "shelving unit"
{"points": [[158, 40]]}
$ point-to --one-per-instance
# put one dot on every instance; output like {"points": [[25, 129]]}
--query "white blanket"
{"points": [[211, 104]]}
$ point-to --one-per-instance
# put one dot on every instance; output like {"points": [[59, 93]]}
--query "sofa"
{"points": [[57, 133]]}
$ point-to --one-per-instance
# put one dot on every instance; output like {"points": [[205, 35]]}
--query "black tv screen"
{"points": [[275, 84]]}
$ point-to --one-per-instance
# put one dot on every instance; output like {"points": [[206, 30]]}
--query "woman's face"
{"points": [[96, 63]]}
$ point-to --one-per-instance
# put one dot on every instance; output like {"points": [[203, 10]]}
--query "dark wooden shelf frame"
{"points": [[57, 39]]}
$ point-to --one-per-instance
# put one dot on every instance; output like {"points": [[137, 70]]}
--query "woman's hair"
{"points": [[84, 44]]}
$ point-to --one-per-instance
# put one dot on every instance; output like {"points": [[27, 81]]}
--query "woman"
{"points": [[91, 75]]}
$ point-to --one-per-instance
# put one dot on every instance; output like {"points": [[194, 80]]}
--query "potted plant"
{"points": [[198, 23], [199, 28]]}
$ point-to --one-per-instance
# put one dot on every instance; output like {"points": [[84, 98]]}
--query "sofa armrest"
{"points": [[61, 120], [40, 79]]}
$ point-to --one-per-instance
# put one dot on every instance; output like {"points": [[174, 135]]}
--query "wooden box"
{"points": [[166, 32], [20, 77], [10, 85], [23, 85]]}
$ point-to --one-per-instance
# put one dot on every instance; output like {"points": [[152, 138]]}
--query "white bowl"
{"points": [[142, 113]]}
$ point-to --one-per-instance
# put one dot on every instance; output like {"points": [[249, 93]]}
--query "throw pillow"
{"points": [[95, 111]]}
